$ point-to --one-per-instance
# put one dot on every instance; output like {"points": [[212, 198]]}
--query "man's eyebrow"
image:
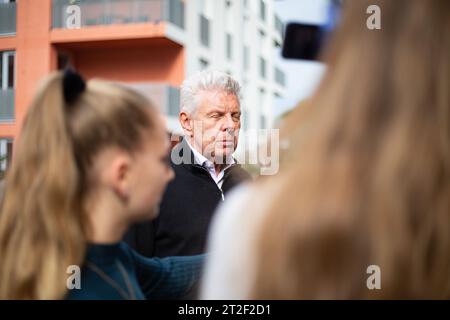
{"points": [[216, 109]]}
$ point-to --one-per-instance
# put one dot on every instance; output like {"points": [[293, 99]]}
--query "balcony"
{"points": [[113, 12], [7, 18], [6, 105]]}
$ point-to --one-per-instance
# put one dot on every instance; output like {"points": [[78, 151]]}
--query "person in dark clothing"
{"points": [[186, 210], [205, 170]]}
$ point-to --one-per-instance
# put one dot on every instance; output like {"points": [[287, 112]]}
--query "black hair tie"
{"points": [[73, 86]]}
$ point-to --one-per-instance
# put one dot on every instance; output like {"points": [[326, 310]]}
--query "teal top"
{"points": [[115, 271]]}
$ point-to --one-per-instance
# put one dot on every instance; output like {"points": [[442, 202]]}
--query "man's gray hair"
{"points": [[207, 80]]}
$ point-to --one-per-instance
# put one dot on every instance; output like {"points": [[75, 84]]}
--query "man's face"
{"points": [[216, 123]]}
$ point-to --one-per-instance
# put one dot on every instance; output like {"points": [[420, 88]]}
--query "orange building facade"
{"points": [[119, 40]]}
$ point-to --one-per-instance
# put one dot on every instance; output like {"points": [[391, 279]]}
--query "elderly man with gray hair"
{"points": [[205, 170]]}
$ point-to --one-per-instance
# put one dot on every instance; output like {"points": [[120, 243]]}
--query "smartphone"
{"points": [[305, 41], [302, 41]]}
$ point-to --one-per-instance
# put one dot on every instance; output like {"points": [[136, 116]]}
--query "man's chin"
{"points": [[224, 157]]}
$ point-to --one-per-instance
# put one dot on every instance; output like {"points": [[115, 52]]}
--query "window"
{"points": [[261, 106], [245, 119], [7, 69], [279, 26], [262, 67], [7, 85], [280, 77], [174, 101], [6, 150], [176, 12], [204, 31], [262, 122], [8, 13], [262, 10], [229, 46], [248, 34]]}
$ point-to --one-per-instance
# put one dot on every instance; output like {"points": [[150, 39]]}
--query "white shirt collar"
{"points": [[205, 162]]}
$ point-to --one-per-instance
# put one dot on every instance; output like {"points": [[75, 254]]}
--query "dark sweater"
{"points": [[169, 278], [186, 209]]}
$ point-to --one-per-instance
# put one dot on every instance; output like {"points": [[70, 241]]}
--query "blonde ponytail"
{"points": [[41, 231]]}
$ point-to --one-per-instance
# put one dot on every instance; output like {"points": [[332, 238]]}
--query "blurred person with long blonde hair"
{"points": [[91, 159], [366, 179]]}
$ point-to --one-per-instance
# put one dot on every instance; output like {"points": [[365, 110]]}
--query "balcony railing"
{"points": [[6, 105], [165, 97], [108, 12], [7, 18]]}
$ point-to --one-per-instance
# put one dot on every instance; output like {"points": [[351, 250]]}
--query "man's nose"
{"points": [[228, 123]]}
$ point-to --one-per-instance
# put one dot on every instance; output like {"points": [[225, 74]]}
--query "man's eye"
{"points": [[215, 116]]}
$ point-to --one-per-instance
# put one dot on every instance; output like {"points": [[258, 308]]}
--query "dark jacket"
{"points": [[186, 209]]}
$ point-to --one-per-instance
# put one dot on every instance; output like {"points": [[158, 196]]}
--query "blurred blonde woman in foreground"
{"points": [[366, 180], [91, 159]]}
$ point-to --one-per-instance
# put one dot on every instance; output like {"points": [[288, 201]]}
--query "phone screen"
{"points": [[302, 41]]}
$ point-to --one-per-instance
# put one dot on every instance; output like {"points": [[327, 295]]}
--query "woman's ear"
{"points": [[119, 176], [186, 122]]}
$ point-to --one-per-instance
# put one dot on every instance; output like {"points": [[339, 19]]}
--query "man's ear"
{"points": [[187, 124], [119, 175]]}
